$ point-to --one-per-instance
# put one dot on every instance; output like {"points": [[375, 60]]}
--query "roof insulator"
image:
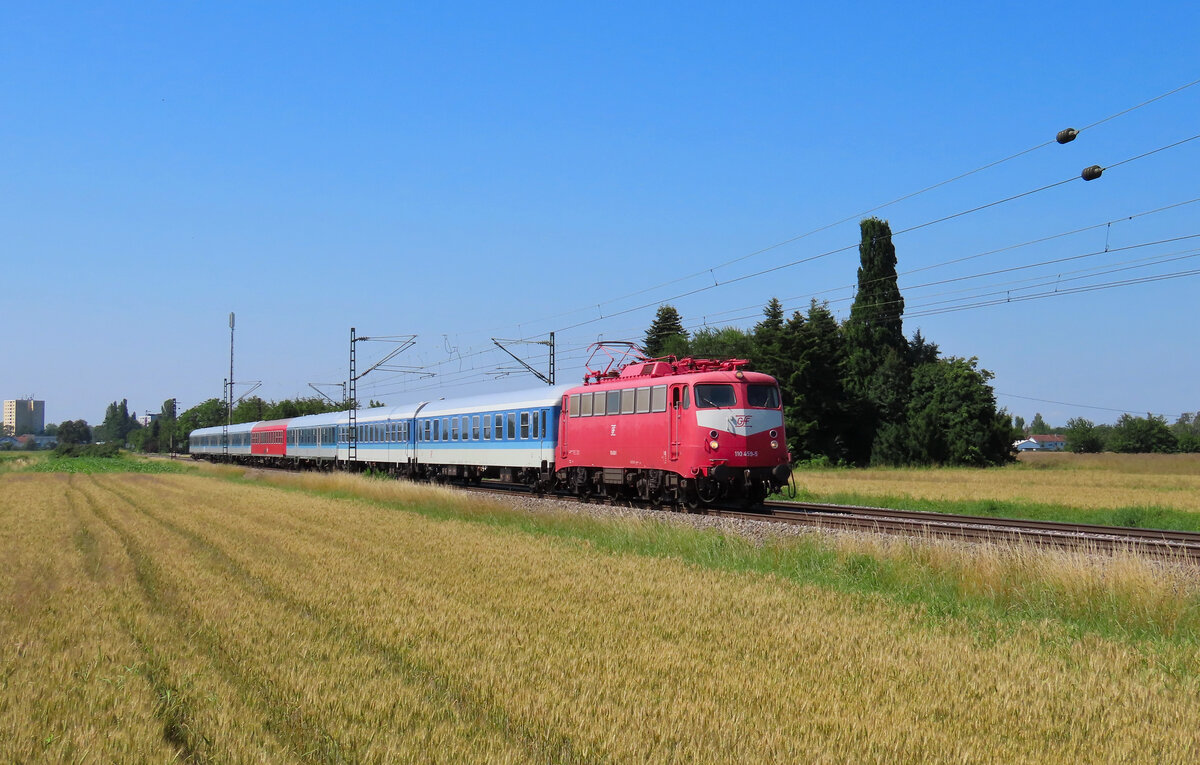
{"points": [[1091, 173], [1066, 136]]}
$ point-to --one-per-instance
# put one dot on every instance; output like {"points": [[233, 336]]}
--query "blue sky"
{"points": [[504, 170]]}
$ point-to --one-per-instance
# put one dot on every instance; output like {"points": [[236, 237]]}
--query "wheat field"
{"points": [[149, 618]]}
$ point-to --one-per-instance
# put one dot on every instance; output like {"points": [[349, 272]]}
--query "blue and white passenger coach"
{"points": [[509, 436]]}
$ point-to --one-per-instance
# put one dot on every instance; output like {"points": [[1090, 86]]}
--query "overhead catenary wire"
{"points": [[846, 248], [606, 316], [897, 200], [1085, 406], [827, 253], [955, 261]]}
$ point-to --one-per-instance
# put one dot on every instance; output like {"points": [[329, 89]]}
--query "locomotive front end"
{"points": [[739, 421]]}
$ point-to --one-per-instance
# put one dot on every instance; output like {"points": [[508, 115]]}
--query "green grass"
{"points": [[1144, 517], [122, 463]]}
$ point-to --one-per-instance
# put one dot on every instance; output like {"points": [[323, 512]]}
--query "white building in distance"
{"points": [[24, 415]]}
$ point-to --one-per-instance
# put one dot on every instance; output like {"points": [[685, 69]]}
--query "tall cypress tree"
{"points": [[877, 372]]}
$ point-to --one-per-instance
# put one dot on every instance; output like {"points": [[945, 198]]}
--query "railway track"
{"points": [[1174, 545], [1178, 545], [1183, 546]]}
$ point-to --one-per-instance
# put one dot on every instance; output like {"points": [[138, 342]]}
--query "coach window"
{"points": [[658, 398], [454, 429], [475, 427], [524, 424], [499, 434], [543, 419], [487, 427], [643, 401], [512, 426], [466, 424], [627, 398]]}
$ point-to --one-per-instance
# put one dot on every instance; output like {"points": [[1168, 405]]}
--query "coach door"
{"points": [[675, 420]]}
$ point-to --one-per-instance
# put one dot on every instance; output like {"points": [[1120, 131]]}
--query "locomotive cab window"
{"points": [[762, 396], [714, 396]]}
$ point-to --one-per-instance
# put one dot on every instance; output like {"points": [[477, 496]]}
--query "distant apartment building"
{"points": [[24, 415]]}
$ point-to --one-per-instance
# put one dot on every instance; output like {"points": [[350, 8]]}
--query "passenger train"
{"points": [[676, 432]]}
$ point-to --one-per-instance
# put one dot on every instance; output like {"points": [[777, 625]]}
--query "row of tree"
{"points": [[168, 431], [1135, 435], [858, 392]]}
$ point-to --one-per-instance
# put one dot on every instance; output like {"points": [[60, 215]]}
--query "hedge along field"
{"points": [[164, 617]]}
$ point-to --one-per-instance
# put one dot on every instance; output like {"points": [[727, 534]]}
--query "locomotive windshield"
{"points": [[714, 396], [762, 396]]}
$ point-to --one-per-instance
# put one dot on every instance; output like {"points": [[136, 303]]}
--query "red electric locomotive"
{"points": [[688, 432]]}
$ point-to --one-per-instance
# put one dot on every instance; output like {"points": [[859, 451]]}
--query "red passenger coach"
{"points": [[269, 438], [688, 431]]}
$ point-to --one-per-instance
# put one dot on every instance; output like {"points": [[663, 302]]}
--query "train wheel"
{"points": [[707, 491]]}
